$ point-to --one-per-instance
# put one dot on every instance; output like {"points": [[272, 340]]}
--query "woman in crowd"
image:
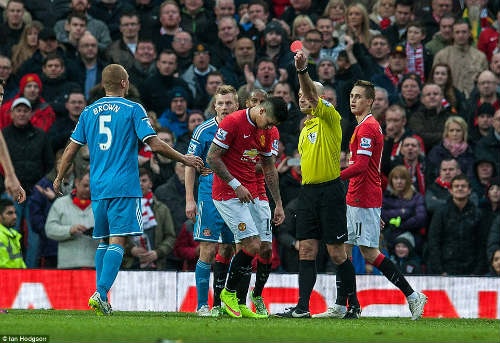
{"points": [[409, 98], [357, 25], [335, 10], [27, 45], [301, 25], [382, 15], [441, 75]]}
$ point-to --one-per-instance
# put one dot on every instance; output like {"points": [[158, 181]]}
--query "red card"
{"points": [[296, 46]]}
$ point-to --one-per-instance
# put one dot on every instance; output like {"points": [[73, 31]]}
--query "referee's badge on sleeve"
{"points": [[312, 137]]}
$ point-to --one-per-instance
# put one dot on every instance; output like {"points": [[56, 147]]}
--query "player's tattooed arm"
{"points": [[271, 176], [214, 159]]}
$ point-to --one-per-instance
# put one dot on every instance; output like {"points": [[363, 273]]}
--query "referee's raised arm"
{"points": [[307, 85]]}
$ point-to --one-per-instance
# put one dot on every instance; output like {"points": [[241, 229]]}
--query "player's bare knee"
{"points": [[251, 245], [118, 240], [308, 249], [226, 250], [207, 251], [369, 254], [266, 250]]}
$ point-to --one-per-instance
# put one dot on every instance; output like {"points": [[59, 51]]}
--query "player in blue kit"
{"points": [[209, 225], [110, 127]]}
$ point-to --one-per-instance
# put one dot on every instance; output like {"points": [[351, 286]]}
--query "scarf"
{"points": [[417, 175], [82, 204], [455, 149], [148, 216], [446, 104], [415, 58], [384, 22], [393, 77], [442, 183], [476, 27]]}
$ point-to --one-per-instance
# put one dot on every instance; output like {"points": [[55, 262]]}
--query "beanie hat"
{"points": [[27, 79], [406, 238]]}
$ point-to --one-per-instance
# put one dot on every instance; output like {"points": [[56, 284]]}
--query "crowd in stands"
{"points": [[435, 65]]}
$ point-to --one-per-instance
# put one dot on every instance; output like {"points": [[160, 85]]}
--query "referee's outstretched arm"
{"points": [[307, 86]]}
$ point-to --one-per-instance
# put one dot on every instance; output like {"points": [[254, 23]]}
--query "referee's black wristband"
{"points": [[303, 71]]}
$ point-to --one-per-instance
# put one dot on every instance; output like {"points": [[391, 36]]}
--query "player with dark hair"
{"points": [[242, 136], [364, 195], [111, 127]]}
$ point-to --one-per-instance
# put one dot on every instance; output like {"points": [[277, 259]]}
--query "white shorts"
{"points": [[363, 226], [246, 219]]}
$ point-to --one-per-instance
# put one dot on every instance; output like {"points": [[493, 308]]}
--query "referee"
{"points": [[321, 212]]}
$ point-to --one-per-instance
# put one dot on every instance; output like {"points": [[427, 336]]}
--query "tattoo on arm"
{"points": [[215, 161], [271, 176]]}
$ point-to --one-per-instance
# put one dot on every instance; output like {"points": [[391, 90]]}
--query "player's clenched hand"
{"points": [[243, 194], [279, 215], [191, 209], [193, 161], [300, 60]]}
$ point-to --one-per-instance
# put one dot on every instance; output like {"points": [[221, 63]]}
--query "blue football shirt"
{"points": [[110, 127], [200, 142]]}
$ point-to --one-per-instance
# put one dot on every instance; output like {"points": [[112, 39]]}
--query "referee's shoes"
{"points": [[294, 312]]}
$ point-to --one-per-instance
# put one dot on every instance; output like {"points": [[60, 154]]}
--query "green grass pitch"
{"points": [[85, 326]]}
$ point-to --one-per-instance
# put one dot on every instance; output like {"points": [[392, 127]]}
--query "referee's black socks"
{"points": [[307, 279], [391, 272], [346, 284], [239, 268]]}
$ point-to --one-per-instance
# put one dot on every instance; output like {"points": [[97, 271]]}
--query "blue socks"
{"points": [[202, 276], [99, 257], [110, 267]]}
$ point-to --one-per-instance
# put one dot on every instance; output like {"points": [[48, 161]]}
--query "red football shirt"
{"points": [[261, 182], [365, 190], [244, 141]]}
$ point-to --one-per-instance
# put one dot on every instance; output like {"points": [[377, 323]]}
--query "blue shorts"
{"points": [[117, 217], [210, 226]]}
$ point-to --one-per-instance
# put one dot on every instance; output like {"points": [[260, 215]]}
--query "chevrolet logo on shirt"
{"points": [[250, 155]]}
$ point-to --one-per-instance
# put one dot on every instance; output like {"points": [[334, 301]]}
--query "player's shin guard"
{"points": [[243, 285], [99, 257], [221, 267], [346, 282], [202, 277], [392, 273], [111, 265], [263, 271], [307, 279], [237, 269]]}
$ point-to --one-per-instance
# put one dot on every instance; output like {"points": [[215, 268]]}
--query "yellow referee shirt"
{"points": [[319, 145]]}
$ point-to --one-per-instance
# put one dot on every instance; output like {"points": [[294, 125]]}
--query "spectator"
{"points": [[465, 61], [453, 98], [357, 25], [76, 27], [486, 93], [442, 38], [379, 54], [89, 64], [56, 84], [42, 114], [11, 84], [290, 177], [494, 238], [382, 14], [109, 12], [335, 10], [275, 45], [224, 8], [495, 264], [195, 17], [488, 38], [186, 248], [410, 156], [396, 33], [484, 115], [150, 250], [222, 51], [380, 105], [403, 209], [98, 28], [488, 146], [48, 12], [298, 7], [172, 193], [40, 202], [326, 73], [258, 16], [490, 209], [289, 129], [214, 80], [437, 192], [396, 130], [393, 73], [429, 121], [484, 172], [266, 76], [170, 19], [453, 145], [122, 51], [27, 45], [313, 41], [244, 53], [148, 11], [161, 167], [154, 88], [144, 64], [70, 222], [194, 119], [10, 238], [409, 98], [404, 255], [478, 17], [176, 116], [419, 59], [182, 44], [331, 45], [432, 19], [62, 128], [12, 28], [197, 74], [301, 25], [449, 253]]}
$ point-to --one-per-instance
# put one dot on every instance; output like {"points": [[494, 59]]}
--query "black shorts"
{"points": [[321, 212]]}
